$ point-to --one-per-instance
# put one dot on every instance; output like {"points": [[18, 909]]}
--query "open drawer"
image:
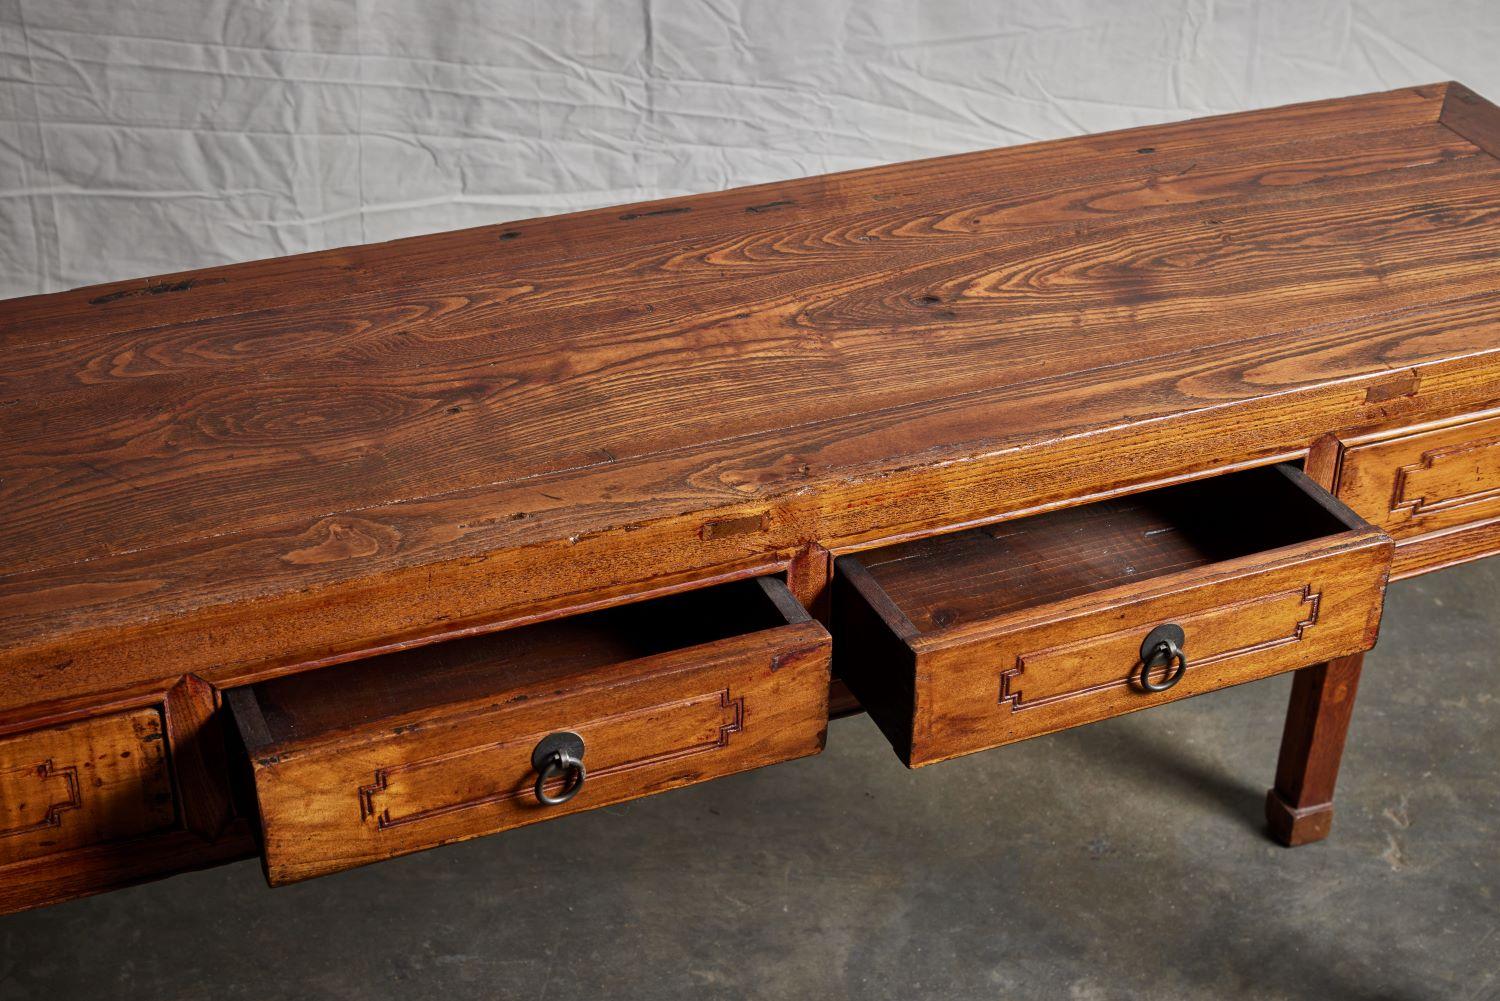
{"points": [[966, 641], [405, 751]]}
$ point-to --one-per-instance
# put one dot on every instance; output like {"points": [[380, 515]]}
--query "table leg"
{"points": [[1300, 807]]}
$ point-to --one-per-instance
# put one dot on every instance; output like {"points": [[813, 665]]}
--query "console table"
{"points": [[334, 557]]}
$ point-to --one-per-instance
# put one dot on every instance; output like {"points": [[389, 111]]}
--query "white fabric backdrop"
{"points": [[145, 136]]}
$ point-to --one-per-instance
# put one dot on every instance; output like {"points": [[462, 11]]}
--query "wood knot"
{"points": [[342, 538]]}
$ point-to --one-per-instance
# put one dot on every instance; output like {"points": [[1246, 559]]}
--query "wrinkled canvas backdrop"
{"points": [[146, 136]]}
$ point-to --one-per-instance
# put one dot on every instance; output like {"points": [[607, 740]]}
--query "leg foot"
{"points": [[1300, 807], [1293, 827]]}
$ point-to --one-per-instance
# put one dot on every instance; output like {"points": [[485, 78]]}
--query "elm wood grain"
{"points": [[308, 422], [1274, 272], [991, 636], [222, 582], [462, 401], [337, 275], [523, 418], [748, 265], [83, 783], [1299, 808], [924, 498], [432, 746], [1435, 488]]}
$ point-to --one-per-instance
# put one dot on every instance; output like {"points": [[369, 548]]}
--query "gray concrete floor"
{"points": [[1122, 860]]}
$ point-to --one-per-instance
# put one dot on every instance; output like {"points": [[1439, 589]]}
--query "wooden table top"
{"points": [[242, 469]]}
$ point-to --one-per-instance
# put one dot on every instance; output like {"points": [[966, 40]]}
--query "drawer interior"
{"points": [[982, 573], [367, 760], [987, 636], [308, 705]]}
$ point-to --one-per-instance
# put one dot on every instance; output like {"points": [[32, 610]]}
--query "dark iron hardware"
{"points": [[1163, 645], [559, 754]]}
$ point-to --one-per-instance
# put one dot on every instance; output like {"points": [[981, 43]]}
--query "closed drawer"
{"points": [[976, 639], [406, 751], [1436, 490], [83, 783]]}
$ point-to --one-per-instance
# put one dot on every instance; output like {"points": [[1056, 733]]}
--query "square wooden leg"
{"points": [[1300, 807]]}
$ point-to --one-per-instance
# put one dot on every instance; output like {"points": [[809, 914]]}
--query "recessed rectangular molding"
{"points": [[494, 773], [1449, 477], [82, 783], [1110, 660]]}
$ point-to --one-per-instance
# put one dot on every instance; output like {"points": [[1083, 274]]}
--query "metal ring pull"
{"points": [[1163, 645], [559, 754]]}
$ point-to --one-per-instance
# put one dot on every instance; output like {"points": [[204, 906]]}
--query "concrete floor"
{"points": [[1121, 860]]}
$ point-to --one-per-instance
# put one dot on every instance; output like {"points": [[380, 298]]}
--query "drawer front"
{"points": [[1437, 492], [684, 718], [83, 783], [990, 689]]}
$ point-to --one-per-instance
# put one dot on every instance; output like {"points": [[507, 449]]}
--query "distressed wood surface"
{"points": [[253, 469]]}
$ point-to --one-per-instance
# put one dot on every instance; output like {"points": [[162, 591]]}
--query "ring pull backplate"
{"points": [[559, 754], [1163, 645]]}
